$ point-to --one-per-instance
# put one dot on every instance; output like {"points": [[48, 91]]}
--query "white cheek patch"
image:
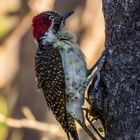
{"points": [[48, 37]]}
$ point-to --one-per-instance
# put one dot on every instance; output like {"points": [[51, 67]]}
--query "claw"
{"points": [[90, 122], [89, 71]]}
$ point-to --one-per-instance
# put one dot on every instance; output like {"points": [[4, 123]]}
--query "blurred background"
{"points": [[23, 112]]}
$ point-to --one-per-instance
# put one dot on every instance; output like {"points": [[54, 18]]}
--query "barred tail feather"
{"points": [[68, 135], [74, 134], [71, 127]]}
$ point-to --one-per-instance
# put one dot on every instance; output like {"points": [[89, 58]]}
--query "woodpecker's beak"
{"points": [[66, 15]]}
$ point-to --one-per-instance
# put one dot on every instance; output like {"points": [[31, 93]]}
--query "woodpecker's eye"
{"points": [[57, 21]]}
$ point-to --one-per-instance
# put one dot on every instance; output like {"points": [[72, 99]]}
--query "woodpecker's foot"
{"points": [[91, 78], [87, 101], [91, 121], [96, 74], [89, 71], [97, 80]]}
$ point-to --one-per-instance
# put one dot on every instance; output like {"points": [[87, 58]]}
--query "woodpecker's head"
{"points": [[47, 23]]}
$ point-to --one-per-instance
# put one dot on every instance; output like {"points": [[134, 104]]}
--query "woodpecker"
{"points": [[61, 70]]}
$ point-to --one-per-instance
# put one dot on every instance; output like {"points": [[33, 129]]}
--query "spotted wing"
{"points": [[50, 76]]}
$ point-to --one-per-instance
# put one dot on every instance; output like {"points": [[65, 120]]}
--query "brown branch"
{"points": [[31, 124]]}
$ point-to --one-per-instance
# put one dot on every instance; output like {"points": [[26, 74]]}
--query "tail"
{"points": [[70, 128], [83, 125], [74, 134]]}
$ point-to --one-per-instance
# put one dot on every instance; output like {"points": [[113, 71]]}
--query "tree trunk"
{"points": [[117, 94]]}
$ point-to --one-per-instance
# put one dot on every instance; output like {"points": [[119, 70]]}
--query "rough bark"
{"points": [[117, 94]]}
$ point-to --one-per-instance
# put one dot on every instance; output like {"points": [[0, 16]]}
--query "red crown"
{"points": [[41, 24]]}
